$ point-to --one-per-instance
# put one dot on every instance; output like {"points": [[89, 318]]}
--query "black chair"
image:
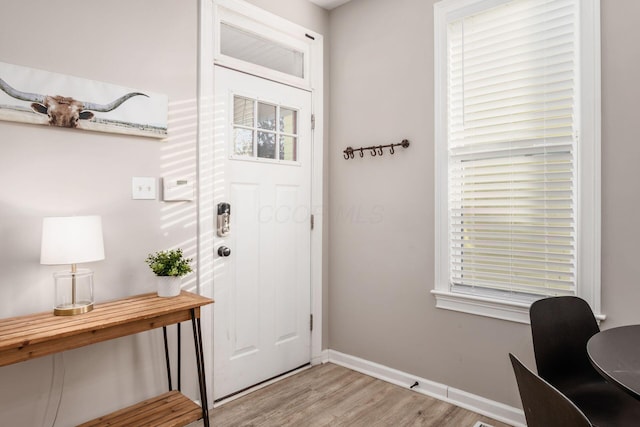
{"points": [[543, 404], [561, 327]]}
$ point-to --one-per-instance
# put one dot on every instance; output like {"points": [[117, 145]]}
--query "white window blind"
{"points": [[253, 48], [511, 139]]}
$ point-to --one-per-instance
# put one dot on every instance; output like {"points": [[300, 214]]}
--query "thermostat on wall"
{"points": [[177, 190]]}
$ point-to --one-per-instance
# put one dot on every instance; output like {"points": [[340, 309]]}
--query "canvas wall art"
{"points": [[35, 96]]}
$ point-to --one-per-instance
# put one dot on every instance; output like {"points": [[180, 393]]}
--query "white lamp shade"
{"points": [[71, 240]]}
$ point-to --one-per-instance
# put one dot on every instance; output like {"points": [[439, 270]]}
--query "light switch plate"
{"points": [[143, 188]]}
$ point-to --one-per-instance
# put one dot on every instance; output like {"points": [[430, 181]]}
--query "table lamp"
{"points": [[72, 240]]}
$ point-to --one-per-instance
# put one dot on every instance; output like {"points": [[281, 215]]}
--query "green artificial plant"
{"points": [[169, 263]]}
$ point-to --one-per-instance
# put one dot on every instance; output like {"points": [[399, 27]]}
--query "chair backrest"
{"points": [[561, 327], [544, 405]]}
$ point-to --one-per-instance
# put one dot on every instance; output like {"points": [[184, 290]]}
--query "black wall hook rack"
{"points": [[374, 150]]}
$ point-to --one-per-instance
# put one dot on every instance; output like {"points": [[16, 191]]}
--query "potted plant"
{"points": [[169, 267]]}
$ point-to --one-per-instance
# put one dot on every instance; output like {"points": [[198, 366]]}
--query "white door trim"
{"points": [[206, 152]]}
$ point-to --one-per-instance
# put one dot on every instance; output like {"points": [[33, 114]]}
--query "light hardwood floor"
{"points": [[330, 395]]}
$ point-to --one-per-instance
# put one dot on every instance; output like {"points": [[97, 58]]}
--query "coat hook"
{"points": [[348, 153], [374, 150]]}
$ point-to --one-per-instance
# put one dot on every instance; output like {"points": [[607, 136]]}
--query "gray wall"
{"points": [[620, 157], [382, 208], [148, 45]]}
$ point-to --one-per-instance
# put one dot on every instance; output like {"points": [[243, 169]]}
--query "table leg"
{"points": [[197, 338], [166, 355]]}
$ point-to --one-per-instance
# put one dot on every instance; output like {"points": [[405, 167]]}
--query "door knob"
{"points": [[224, 251]]}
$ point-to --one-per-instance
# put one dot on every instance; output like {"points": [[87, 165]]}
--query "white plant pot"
{"points": [[169, 286]]}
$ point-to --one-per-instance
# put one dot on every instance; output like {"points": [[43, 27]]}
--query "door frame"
{"points": [[206, 152]]}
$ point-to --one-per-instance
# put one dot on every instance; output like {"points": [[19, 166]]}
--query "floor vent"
{"points": [[481, 424]]}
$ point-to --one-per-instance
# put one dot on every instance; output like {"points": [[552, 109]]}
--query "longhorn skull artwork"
{"points": [[64, 111]]}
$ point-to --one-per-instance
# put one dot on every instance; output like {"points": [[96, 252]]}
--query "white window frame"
{"points": [[587, 167]]}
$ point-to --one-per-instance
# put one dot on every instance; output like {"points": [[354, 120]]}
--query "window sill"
{"points": [[488, 307]]}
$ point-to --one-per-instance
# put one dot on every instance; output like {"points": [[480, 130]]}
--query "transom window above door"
{"points": [[264, 131], [251, 44], [252, 48]]}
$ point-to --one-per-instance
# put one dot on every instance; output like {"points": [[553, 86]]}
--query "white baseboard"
{"points": [[496, 410], [323, 357]]}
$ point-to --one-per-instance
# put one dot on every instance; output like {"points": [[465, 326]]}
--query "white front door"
{"points": [[262, 169]]}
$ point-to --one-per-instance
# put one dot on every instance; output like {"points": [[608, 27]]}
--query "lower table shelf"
{"points": [[170, 409]]}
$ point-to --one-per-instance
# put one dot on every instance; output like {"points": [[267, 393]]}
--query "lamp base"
{"points": [[73, 309], [74, 292]]}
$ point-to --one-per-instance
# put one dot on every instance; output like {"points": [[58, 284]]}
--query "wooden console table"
{"points": [[27, 337]]}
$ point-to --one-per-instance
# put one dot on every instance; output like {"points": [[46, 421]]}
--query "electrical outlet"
{"points": [[143, 188]]}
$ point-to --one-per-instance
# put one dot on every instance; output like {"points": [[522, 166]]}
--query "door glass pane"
{"points": [[288, 148], [267, 145], [242, 111], [288, 120], [266, 116], [252, 48], [263, 130], [243, 142]]}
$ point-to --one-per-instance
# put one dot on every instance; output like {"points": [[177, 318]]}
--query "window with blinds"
{"points": [[511, 144], [517, 148]]}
